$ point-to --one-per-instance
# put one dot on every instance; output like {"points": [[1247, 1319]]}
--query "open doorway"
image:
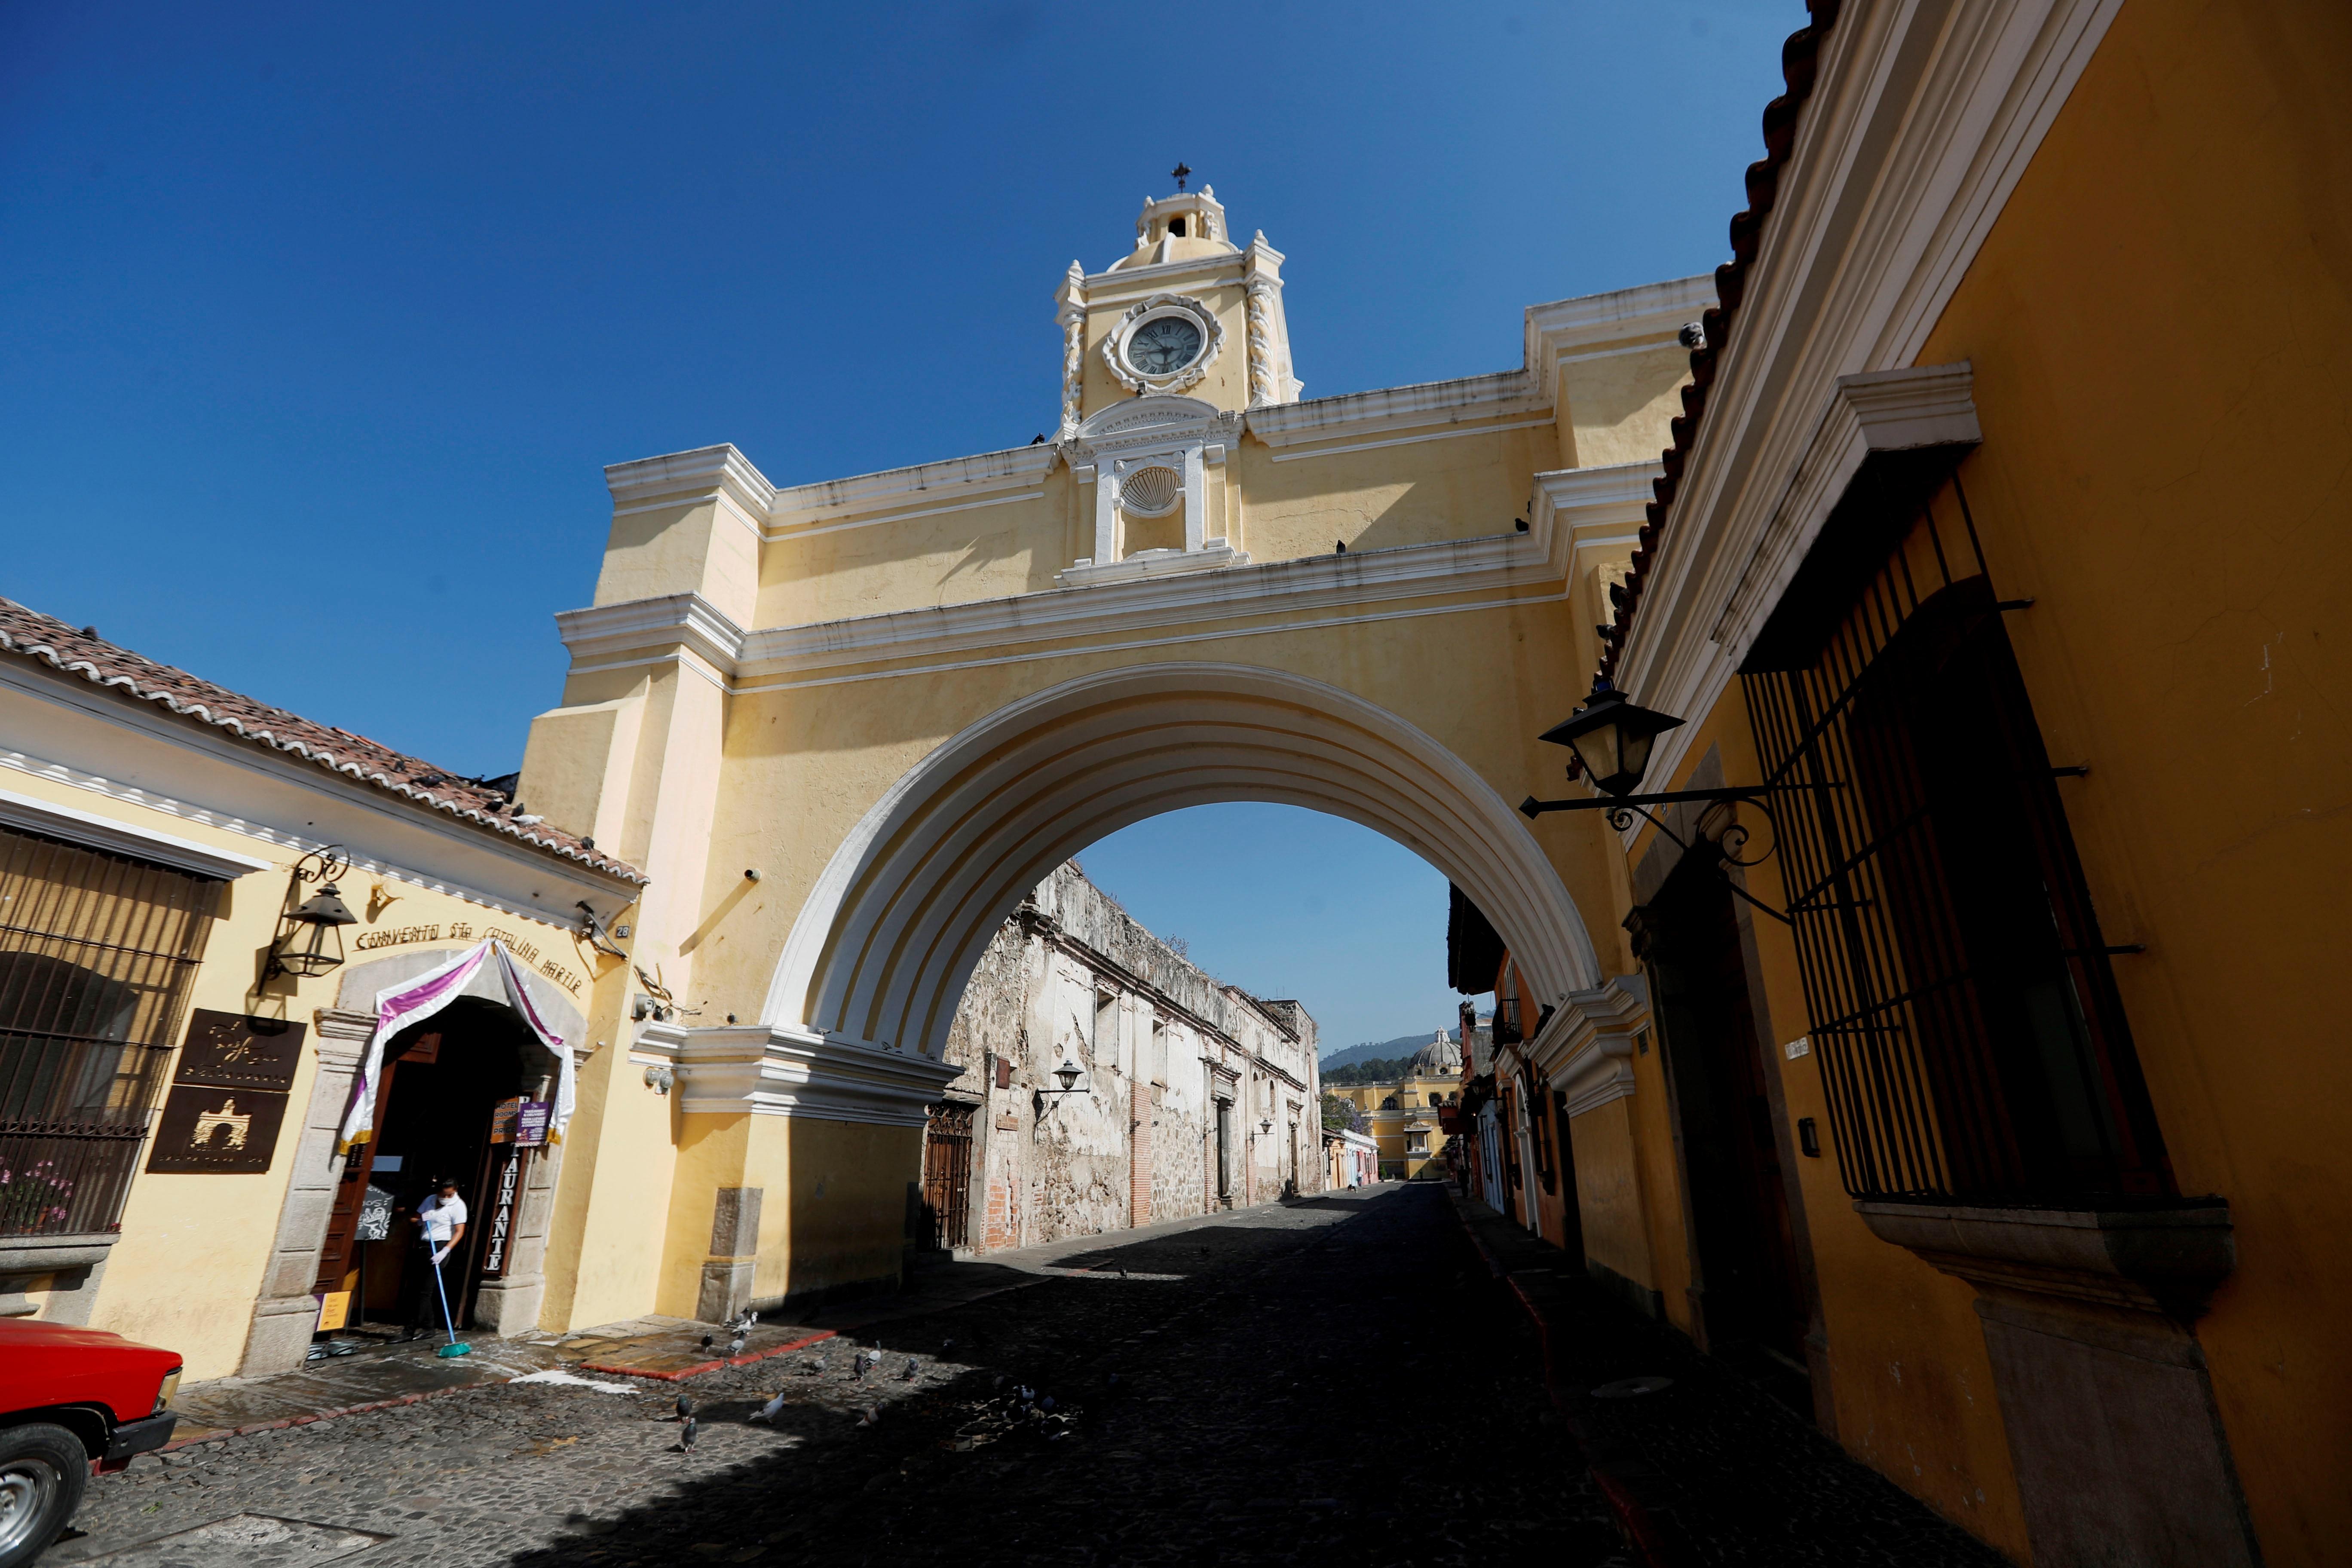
{"points": [[449, 1108]]}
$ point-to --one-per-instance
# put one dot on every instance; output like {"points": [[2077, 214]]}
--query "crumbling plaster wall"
{"points": [[1074, 977]]}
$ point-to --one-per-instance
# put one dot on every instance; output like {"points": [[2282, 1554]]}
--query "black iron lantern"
{"points": [[310, 936], [1611, 737]]}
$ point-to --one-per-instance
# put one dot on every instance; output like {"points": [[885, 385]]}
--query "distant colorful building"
{"points": [[1404, 1114]]}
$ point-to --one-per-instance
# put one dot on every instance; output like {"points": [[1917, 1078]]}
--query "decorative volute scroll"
{"points": [[1263, 388], [1073, 318]]}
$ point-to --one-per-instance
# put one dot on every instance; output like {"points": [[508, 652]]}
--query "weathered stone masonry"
{"points": [[1073, 978]]}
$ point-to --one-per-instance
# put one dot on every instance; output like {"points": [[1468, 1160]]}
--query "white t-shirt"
{"points": [[441, 1216]]}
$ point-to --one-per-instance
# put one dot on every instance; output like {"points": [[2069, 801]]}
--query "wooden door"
{"points": [[339, 1257]]}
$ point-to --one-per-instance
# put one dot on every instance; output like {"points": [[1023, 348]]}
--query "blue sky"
{"points": [[321, 321]]}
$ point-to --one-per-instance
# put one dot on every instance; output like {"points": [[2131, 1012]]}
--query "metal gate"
{"points": [[947, 1177]]}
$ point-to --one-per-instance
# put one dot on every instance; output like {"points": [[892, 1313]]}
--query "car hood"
{"points": [[30, 1333]]}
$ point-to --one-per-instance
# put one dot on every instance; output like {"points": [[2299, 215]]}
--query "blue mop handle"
{"points": [[440, 1290]]}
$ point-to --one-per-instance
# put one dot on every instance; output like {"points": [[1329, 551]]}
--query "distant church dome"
{"points": [[1438, 1059]]}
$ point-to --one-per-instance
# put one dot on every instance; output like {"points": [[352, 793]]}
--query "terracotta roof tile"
{"points": [[1800, 60], [30, 634]]}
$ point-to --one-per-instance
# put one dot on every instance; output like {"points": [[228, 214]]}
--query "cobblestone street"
{"points": [[1314, 1382]]}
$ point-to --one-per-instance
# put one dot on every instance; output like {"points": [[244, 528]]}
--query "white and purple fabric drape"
{"points": [[413, 1001]]}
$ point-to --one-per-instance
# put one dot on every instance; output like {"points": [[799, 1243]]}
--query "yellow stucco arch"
{"points": [[886, 940], [845, 726]]}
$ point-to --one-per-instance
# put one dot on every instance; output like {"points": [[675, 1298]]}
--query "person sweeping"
{"points": [[440, 1222]]}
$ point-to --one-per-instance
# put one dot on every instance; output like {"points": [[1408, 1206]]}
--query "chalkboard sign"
{"points": [[375, 1216]]}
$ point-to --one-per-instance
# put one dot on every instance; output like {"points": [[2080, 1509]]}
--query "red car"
{"points": [[71, 1399]]}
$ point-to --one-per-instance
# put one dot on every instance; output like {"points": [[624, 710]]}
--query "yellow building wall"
{"points": [[893, 560], [2156, 325], [1610, 1206], [1464, 486], [1615, 404]]}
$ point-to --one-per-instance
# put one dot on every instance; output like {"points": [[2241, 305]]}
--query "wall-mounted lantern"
{"points": [[1611, 737], [1069, 1074], [310, 934]]}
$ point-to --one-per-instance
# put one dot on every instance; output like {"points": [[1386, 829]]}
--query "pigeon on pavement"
{"points": [[767, 1412], [685, 1408], [686, 1436]]}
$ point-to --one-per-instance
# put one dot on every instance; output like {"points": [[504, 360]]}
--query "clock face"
{"points": [[1163, 345]]}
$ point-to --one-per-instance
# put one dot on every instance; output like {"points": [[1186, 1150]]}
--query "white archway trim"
{"points": [[881, 949]]}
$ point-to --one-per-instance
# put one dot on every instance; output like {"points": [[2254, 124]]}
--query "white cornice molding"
{"points": [[1116, 285], [777, 1072], [1571, 329], [1566, 504], [1875, 412], [690, 477], [833, 500], [1500, 396], [1923, 120], [1215, 556], [641, 626], [116, 836], [1587, 1050], [1152, 422]]}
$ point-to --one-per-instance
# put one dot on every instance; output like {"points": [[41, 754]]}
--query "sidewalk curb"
{"points": [[1648, 1537], [698, 1368]]}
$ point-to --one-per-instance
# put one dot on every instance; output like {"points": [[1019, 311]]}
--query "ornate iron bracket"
{"points": [[1729, 841]]}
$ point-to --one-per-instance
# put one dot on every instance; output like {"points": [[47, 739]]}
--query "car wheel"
{"points": [[42, 1472]]}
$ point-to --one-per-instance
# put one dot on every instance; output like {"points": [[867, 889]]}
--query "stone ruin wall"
{"points": [[1070, 1170]]}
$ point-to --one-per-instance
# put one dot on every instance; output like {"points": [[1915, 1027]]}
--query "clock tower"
{"points": [[1163, 355], [1185, 312]]}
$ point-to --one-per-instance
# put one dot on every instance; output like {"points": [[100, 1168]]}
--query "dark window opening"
{"points": [[97, 953], [1963, 1003], [1176, 227]]}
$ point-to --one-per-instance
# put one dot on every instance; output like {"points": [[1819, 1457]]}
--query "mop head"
{"points": [[458, 1349]]}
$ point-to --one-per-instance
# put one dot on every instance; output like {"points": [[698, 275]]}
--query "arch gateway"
{"points": [[845, 726]]}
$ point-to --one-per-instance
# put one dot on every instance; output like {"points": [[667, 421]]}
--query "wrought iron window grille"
{"points": [[97, 953], [1964, 1013]]}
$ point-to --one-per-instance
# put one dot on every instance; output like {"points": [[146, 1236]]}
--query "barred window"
{"points": [[97, 953], [1969, 1030]]}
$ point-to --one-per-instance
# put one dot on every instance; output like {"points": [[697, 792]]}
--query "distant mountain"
{"points": [[1380, 1050]]}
